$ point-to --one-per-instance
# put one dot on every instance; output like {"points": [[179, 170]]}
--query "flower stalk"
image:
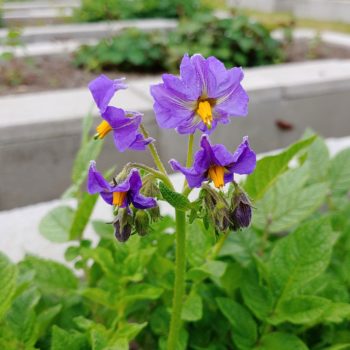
{"points": [[180, 274], [154, 152]]}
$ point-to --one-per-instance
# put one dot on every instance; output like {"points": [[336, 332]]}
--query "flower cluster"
{"points": [[204, 95]]}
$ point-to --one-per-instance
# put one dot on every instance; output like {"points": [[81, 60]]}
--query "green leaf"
{"points": [[288, 201], [86, 128], [211, 268], [192, 309], [142, 292], [241, 246], [89, 151], [199, 243], [270, 168], [130, 331], [8, 275], [337, 312], [102, 229], [21, 318], [244, 328], [51, 276], [55, 225], [340, 172], [256, 296], [99, 339], [82, 215], [318, 159], [177, 200], [64, 340], [279, 341], [300, 257], [46, 317], [304, 309]]}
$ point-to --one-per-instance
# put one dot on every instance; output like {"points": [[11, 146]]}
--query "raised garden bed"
{"points": [[23, 75]]}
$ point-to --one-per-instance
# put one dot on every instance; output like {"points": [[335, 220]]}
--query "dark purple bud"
{"points": [[122, 225], [241, 209]]}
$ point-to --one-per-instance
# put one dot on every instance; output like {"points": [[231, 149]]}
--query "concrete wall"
{"points": [[329, 10], [40, 133]]}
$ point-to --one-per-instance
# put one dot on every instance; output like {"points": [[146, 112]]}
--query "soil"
{"points": [[23, 75]]}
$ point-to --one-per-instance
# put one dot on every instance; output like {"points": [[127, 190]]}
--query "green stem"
{"points": [[218, 246], [179, 287], [188, 158], [157, 174], [153, 151]]}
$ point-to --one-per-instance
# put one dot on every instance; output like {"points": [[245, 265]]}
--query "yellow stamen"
{"points": [[118, 198], [216, 173], [103, 129], [204, 111]]}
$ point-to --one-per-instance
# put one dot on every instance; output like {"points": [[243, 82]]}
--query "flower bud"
{"points": [[150, 189], [122, 225], [142, 222], [217, 208], [241, 209]]}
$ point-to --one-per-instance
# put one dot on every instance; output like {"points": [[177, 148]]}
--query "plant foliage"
{"points": [[236, 41], [93, 11], [283, 283]]}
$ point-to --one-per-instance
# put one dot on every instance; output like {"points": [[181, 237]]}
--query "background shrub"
{"points": [[92, 10], [236, 41]]}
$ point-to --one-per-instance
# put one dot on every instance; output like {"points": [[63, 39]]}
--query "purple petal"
{"points": [[132, 183], [203, 75], [193, 178], [141, 143], [125, 129], [233, 104], [226, 80], [141, 202], [107, 197], [171, 116], [103, 89], [244, 158], [190, 78], [96, 183]]}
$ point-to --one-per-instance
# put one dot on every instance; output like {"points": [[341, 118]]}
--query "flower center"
{"points": [[216, 173], [118, 198], [102, 130], [204, 111]]}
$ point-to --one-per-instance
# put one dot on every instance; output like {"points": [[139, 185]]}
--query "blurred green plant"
{"points": [[236, 41], [93, 11], [10, 66], [283, 283]]}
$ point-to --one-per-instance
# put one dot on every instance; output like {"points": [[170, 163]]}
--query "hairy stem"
{"points": [[218, 246], [154, 152], [188, 159], [179, 287], [159, 175]]}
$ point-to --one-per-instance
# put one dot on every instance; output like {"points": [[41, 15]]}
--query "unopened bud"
{"points": [[122, 225], [217, 208], [241, 209], [150, 189], [142, 222]]}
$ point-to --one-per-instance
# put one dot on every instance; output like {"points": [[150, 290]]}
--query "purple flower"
{"points": [[216, 163], [123, 124], [122, 194], [205, 93]]}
